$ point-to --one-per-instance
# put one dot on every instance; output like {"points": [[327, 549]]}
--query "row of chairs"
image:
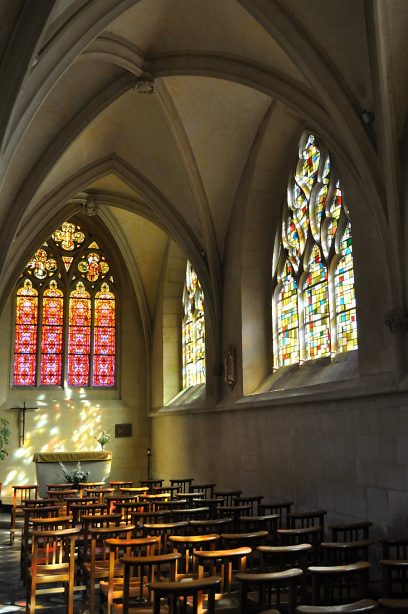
{"points": [[300, 526]]}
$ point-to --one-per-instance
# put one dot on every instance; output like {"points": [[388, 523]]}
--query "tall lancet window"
{"points": [[313, 304], [193, 330], [65, 327]]}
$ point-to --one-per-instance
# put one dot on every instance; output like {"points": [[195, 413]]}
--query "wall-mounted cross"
{"points": [[21, 421]]}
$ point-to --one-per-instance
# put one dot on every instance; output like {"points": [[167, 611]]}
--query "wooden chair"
{"points": [[78, 510], [186, 596], [343, 553], [282, 508], [303, 520], [394, 566], [255, 502], [350, 532], [206, 489], [227, 495], [136, 491], [127, 508], [251, 539], [116, 484], [337, 584], [31, 513], [99, 494], [151, 484], [183, 485], [270, 586], [212, 504], [52, 562], [185, 545], [163, 530], [277, 558], [261, 523], [113, 500], [95, 565], [141, 518], [214, 525], [309, 535], [139, 569], [221, 563], [235, 512], [20, 493], [187, 514], [357, 607], [111, 590]]}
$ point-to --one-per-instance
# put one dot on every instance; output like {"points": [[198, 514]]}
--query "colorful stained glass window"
{"points": [[287, 319], [315, 258], [316, 308], [193, 330], [69, 267], [345, 296]]}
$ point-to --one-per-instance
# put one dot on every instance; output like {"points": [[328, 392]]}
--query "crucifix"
{"points": [[21, 421]]}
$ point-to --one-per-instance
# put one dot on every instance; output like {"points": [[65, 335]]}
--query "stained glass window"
{"points": [[313, 275], [193, 330], [66, 307], [345, 296], [287, 319]]}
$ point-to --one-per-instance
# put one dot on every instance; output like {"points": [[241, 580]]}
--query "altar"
{"points": [[48, 470]]}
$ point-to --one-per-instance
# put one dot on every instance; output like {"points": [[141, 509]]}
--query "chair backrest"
{"points": [[163, 530], [227, 495], [189, 593], [277, 558], [310, 535], [336, 584], [260, 523], [20, 493], [350, 532], [216, 525], [282, 508], [206, 489], [192, 513], [302, 520], [185, 545], [344, 553], [255, 502], [183, 485], [220, 562], [98, 547], [270, 586], [53, 547], [151, 566]]}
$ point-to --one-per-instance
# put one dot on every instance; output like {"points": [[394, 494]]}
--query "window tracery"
{"points": [[313, 305], [65, 327]]}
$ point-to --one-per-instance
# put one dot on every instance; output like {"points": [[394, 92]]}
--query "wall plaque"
{"points": [[123, 430]]}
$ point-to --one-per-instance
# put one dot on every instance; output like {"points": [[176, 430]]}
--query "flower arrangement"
{"points": [[75, 476], [103, 437]]}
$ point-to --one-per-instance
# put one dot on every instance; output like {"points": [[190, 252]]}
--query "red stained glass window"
{"points": [[64, 270], [51, 337], [104, 338], [25, 345], [79, 336]]}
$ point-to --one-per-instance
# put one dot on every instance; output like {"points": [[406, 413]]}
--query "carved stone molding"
{"points": [[145, 86], [397, 320], [90, 207]]}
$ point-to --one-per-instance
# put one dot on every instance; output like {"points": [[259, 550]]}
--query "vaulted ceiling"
{"points": [[153, 107]]}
